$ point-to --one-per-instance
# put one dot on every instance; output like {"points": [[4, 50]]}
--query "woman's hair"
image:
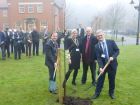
{"points": [[74, 30]]}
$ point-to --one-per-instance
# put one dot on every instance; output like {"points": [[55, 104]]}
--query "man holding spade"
{"points": [[51, 61], [106, 52]]}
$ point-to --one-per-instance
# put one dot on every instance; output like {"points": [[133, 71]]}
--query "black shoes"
{"points": [[53, 92], [95, 96], [112, 96]]}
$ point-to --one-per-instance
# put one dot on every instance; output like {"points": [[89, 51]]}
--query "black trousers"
{"points": [[36, 48], [28, 49], [111, 77], [92, 66], [43, 50], [22, 48], [7, 48], [3, 52], [74, 74], [17, 51], [12, 47], [51, 72]]}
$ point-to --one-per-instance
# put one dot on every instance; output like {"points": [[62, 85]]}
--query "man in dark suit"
{"points": [[35, 40], [51, 61], [2, 44], [106, 50], [22, 35], [81, 32], [12, 39], [7, 42], [28, 43], [17, 45], [45, 38], [88, 55]]}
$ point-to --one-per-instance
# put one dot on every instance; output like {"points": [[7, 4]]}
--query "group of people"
{"points": [[91, 49], [82, 46], [18, 42]]}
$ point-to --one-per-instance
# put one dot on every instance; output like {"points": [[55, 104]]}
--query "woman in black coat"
{"points": [[74, 57]]}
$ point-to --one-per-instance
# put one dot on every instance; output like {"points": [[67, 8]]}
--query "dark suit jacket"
{"points": [[113, 51], [35, 36], [2, 38], [82, 32], [7, 38], [51, 53], [92, 55], [17, 39]]}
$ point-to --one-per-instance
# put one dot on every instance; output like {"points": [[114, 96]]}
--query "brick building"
{"points": [[32, 13]]}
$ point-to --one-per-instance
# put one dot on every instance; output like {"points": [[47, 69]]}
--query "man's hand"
{"points": [[95, 61], [101, 71], [55, 65], [111, 58], [69, 61]]}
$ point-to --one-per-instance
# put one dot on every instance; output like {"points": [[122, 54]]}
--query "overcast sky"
{"points": [[85, 10], [99, 4]]}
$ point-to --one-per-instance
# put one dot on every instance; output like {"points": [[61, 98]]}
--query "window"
{"points": [[39, 8], [30, 9], [21, 8], [5, 13], [43, 24]]}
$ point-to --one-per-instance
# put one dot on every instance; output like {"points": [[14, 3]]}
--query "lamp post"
{"points": [[138, 8]]}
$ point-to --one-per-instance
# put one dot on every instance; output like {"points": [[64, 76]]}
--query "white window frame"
{"points": [[39, 8], [43, 24], [21, 8], [30, 8], [5, 12]]}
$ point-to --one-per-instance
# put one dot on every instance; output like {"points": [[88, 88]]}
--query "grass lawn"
{"points": [[25, 81]]}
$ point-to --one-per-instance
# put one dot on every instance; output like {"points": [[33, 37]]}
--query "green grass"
{"points": [[25, 81]]}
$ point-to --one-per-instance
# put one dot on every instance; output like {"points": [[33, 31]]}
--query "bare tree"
{"points": [[114, 17], [68, 15], [96, 23]]}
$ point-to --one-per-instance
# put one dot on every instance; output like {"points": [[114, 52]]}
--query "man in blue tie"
{"points": [[106, 50]]}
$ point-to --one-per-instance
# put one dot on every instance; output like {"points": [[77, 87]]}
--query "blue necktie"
{"points": [[105, 50]]}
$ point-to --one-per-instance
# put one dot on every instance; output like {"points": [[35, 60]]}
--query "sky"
{"points": [[99, 4], [84, 10]]}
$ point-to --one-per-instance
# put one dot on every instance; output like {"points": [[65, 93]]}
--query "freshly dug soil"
{"points": [[76, 101]]}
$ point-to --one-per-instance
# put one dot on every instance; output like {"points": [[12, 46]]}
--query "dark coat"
{"points": [[82, 32], [17, 39], [113, 51], [75, 55], [91, 57], [2, 38], [51, 53], [35, 36], [7, 37]]}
